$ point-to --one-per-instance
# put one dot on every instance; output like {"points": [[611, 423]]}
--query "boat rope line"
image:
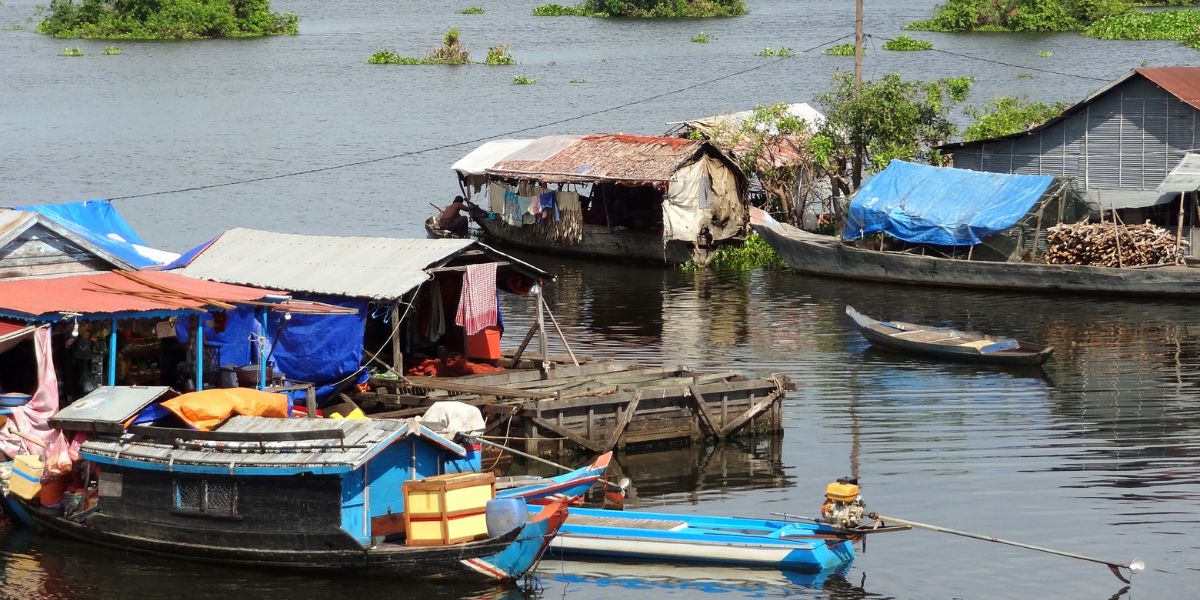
{"points": [[477, 140], [1006, 64]]}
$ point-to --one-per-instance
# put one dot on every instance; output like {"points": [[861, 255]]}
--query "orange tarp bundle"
{"points": [[208, 409], [453, 366]]}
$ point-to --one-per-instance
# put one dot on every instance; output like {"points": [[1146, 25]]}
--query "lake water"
{"points": [[1098, 453]]}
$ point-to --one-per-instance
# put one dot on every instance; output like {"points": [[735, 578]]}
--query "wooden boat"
{"points": [[434, 232], [731, 541], [299, 493], [948, 343], [596, 241], [827, 256], [568, 487]]}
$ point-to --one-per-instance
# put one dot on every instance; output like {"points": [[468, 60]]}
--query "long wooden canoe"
{"points": [[948, 343], [827, 256]]}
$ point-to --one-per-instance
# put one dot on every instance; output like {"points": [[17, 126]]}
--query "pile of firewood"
{"points": [[1108, 244]]}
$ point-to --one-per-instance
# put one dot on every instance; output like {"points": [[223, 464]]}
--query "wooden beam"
{"points": [[524, 343], [750, 413], [713, 424], [626, 417], [566, 433], [439, 383]]}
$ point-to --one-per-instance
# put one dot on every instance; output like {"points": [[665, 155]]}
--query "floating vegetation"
{"points": [[450, 52], [779, 52], [1045, 53], [523, 80], [165, 19], [1175, 25], [842, 50], [12, 27], [577, 81], [906, 43], [471, 10], [646, 9], [112, 51], [755, 253], [72, 52], [1024, 74], [700, 38], [498, 55]]}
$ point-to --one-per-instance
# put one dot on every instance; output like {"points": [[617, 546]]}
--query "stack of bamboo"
{"points": [[1108, 244]]}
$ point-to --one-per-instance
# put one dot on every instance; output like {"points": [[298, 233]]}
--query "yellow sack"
{"points": [[208, 409]]}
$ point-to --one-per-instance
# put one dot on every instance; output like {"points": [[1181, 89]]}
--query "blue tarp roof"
{"points": [[99, 223], [940, 205]]}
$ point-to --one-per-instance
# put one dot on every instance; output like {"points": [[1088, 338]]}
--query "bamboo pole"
{"points": [[1120, 262], [1179, 228], [554, 322]]}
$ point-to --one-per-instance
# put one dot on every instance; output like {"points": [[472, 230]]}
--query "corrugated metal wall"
{"points": [[1128, 139]]}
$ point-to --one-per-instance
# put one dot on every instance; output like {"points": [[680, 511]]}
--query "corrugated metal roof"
{"points": [[1185, 177], [618, 157], [361, 440], [15, 222], [377, 268], [1181, 82], [107, 408], [487, 155], [113, 293]]}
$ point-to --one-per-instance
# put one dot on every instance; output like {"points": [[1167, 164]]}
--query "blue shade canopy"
{"points": [[940, 205], [99, 223]]}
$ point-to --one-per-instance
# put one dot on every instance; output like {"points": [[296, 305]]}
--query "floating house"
{"points": [[1118, 144], [405, 293], [616, 196]]}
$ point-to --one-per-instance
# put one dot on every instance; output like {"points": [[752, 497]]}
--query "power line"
{"points": [[367, 161], [1006, 64]]}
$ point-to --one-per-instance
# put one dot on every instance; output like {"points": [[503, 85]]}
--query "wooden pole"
{"points": [[856, 176], [1179, 228], [397, 353], [1118, 229], [1037, 230], [554, 322], [541, 327]]}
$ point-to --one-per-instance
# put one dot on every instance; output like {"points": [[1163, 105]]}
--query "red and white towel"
{"points": [[477, 303]]}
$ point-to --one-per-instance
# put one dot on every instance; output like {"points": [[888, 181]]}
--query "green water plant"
{"points": [[1024, 74], [841, 50], [112, 51], [907, 43], [577, 81], [1045, 53], [700, 38], [646, 9], [1177, 25], [498, 55], [754, 253], [772, 52], [72, 52], [450, 52], [523, 80], [471, 10], [13, 27], [165, 19]]}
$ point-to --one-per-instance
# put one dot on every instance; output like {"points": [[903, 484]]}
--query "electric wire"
{"points": [[1006, 64], [477, 140]]}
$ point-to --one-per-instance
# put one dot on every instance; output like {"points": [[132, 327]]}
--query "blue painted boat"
{"points": [[734, 541], [568, 487]]}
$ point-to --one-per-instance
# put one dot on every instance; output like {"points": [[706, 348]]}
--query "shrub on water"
{"points": [[72, 52], [907, 44], [523, 80], [653, 9], [112, 51], [700, 38], [471, 10], [773, 52], [842, 50], [498, 55], [165, 19]]}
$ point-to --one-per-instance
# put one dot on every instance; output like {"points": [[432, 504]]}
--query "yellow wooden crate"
{"points": [[447, 509], [26, 479]]}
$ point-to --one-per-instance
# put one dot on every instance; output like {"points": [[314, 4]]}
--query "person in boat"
{"points": [[451, 218]]}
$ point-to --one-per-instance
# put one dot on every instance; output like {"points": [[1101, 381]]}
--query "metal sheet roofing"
{"points": [[15, 222], [113, 293], [608, 157], [361, 439], [487, 155], [107, 408], [1185, 177], [377, 268]]}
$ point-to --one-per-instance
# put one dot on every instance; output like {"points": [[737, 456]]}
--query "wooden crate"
{"points": [[26, 479], [447, 509]]}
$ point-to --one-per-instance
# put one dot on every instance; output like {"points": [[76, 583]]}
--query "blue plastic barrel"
{"points": [[505, 515]]}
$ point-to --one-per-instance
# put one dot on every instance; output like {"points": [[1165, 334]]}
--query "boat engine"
{"points": [[843, 506]]}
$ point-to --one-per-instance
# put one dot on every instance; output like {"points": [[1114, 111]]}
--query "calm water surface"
{"points": [[1098, 453]]}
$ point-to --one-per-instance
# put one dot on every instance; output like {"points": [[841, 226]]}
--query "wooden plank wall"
{"points": [[39, 252]]}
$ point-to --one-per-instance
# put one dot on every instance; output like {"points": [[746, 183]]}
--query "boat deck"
{"points": [[654, 524]]}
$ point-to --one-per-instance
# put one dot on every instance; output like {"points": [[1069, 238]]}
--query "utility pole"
{"points": [[856, 175]]}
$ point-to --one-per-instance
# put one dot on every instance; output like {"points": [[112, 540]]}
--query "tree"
{"points": [[1008, 114], [887, 119]]}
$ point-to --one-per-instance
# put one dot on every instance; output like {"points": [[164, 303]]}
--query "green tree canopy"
{"points": [[165, 19], [1009, 114]]}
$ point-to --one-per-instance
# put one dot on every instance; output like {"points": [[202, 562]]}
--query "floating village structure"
{"points": [[626, 197]]}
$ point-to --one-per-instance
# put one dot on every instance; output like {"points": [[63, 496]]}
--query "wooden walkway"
{"points": [[597, 405]]}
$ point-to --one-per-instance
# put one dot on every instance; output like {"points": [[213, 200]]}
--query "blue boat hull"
{"points": [[568, 487], [702, 539]]}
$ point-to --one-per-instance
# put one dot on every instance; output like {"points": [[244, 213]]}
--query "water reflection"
{"points": [[641, 578]]}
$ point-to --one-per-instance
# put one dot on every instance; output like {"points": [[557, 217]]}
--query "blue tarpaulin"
{"points": [[940, 205], [99, 223]]}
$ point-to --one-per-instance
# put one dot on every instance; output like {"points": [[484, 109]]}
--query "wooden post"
{"points": [[554, 322], [541, 327], [397, 354], [1179, 228], [1037, 230], [1119, 229], [521, 349], [310, 401]]}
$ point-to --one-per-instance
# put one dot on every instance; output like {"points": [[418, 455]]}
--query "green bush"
{"points": [[1009, 114], [906, 43], [13, 27], [1020, 15], [498, 55], [842, 50], [653, 9], [72, 52], [523, 80], [772, 52], [1177, 25], [165, 19], [754, 253], [700, 38], [471, 10], [112, 51]]}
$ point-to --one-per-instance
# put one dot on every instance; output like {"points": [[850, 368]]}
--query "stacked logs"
{"points": [[1108, 244]]}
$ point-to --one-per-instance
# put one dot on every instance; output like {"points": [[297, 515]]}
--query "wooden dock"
{"points": [[596, 405]]}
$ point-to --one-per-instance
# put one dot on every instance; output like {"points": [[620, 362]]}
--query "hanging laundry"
{"points": [[512, 208], [549, 206], [496, 198], [436, 326], [477, 303]]}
